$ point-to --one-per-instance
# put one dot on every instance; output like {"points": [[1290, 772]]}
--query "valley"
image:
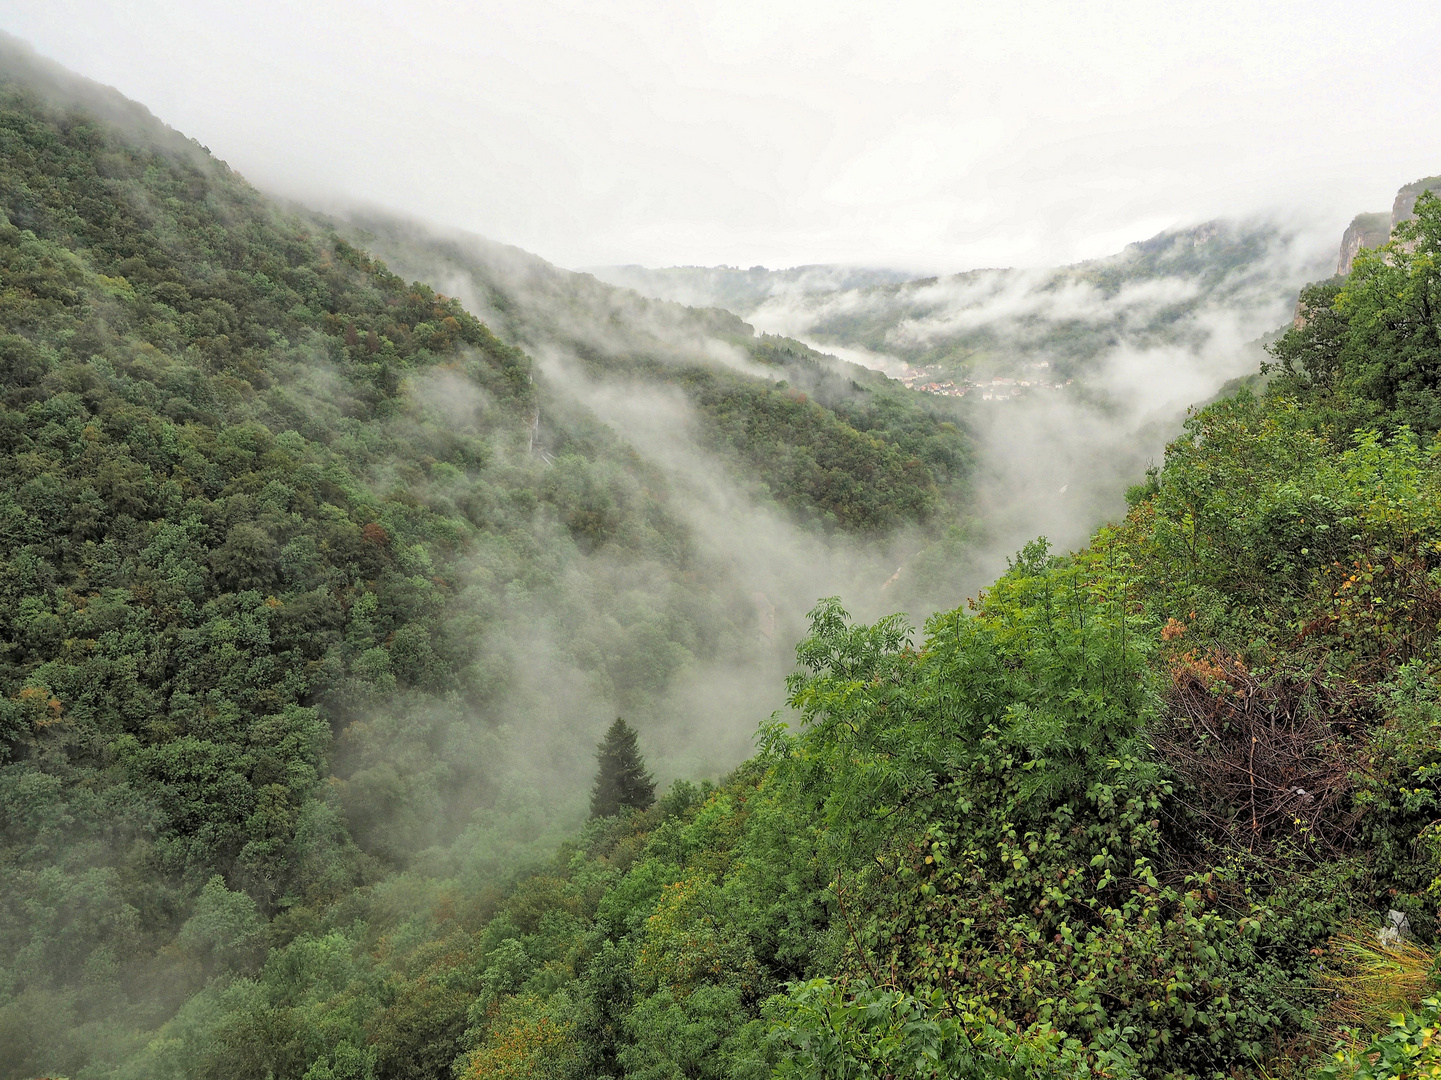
{"points": [[421, 661]]}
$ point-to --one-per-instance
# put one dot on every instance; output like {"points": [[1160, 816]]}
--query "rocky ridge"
{"points": [[1373, 230]]}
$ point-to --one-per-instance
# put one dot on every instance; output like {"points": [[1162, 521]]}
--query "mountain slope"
{"points": [[296, 594], [915, 456], [743, 291], [1139, 811], [1013, 323]]}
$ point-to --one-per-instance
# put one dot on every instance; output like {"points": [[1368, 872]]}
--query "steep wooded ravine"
{"points": [[293, 598], [310, 627]]}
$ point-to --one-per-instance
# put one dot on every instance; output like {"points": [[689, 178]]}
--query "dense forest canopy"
{"points": [[282, 558], [302, 565]]}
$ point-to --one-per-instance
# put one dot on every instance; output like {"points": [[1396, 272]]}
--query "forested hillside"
{"points": [[1139, 811], [1161, 292], [298, 593], [743, 291], [837, 444], [319, 594]]}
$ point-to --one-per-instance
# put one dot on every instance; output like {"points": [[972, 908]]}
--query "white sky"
{"points": [[929, 135]]}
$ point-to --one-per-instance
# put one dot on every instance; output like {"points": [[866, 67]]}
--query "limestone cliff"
{"points": [[1373, 230], [1407, 196], [1365, 230]]}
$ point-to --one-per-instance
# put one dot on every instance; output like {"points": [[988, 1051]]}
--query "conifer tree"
{"points": [[620, 779]]}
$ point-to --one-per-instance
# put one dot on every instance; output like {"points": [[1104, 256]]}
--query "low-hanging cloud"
{"points": [[1053, 462], [1142, 336]]}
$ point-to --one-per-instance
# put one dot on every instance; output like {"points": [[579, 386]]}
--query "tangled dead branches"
{"points": [[1264, 766]]}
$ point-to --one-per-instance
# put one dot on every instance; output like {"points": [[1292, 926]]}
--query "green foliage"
{"points": [[621, 781], [1265, 531], [825, 1031], [1390, 302], [838, 456], [1308, 356], [1411, 1047], [266, 520], [998, 822], [275, 536], [1399, 791], [224, 930], [1367, 351], [808, 456]]}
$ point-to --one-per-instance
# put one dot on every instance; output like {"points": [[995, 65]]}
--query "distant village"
{"points": [[998, 388]]}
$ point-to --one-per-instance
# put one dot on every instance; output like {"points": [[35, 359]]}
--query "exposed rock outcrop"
{"points": [[1407, 196], [1365, 230], [1373, 230]]}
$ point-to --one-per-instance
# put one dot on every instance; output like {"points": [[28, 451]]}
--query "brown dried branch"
{"points": [[1263, 763]]}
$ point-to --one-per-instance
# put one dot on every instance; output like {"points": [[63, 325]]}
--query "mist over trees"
{"points": [[280, 554], [317, 591]]}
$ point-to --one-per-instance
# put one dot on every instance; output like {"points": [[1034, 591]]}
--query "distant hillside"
{"points": [[742, 291], [1003, 333], [578, 324], [1005, 322]]}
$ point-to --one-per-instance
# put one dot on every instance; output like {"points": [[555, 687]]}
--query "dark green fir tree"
{"points": [[620, 779]]}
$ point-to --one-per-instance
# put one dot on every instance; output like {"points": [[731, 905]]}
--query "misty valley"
{"points": [[419, 661]]}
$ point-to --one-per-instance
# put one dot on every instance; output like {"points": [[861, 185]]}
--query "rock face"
{"points": [[1407, 196], [1365, 230], [1373, 230]]}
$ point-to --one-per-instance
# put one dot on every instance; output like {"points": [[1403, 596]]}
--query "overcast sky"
{"points": [[924, 135]]}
